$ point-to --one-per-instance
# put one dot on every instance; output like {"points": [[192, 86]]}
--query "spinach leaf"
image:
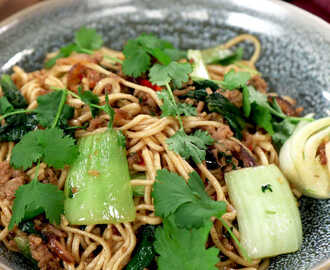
{"points": [[11, 92]]}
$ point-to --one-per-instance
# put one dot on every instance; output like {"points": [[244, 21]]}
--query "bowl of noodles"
{"points": [[164, 134]]}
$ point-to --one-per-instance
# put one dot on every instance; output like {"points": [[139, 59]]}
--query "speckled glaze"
{"points": [[295, 60]]}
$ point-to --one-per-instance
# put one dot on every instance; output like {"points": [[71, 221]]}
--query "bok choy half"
{"points": [[98, 188], [267, 213], [301, 161]]}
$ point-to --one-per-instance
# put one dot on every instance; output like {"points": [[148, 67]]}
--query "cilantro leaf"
{"points": [[184, 249], [49, 145], [170, 192], [163, 74], [189, 203], [10, 91], [65, 51], [175, 54], [5, 106], [282, 131], [89, 98], [170, 108], [109, 110], [186, 109], [193, 146], [48, 106], [235, 80], [34, 198], [137, 60], [262, 117], [88, 38]]}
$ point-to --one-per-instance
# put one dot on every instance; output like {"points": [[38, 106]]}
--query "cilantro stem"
{"points": [[35, 178], [15, 112], [60, 108], [169, 90], [244, 253], [114, 59]]}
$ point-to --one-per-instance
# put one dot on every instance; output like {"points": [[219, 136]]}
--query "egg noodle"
{"points": [[110, 246]]}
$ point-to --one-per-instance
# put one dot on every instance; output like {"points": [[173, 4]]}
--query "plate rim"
{"points": [[19, 16]]}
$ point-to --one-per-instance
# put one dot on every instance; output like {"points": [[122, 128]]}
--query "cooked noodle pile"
{"points": [[137, 116]]}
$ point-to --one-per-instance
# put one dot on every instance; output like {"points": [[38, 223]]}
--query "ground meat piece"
{"points": [[78, 72], [50, 177], [5, 172], [247, 159], [234, 97], [285, 106], [96, 123], [10, 181], [321, 153], [40, 252], [93, 77], [78, 58], [134, 158], [148, 105], [8, 189], [220, 133], [57, 248], [258, 83]]}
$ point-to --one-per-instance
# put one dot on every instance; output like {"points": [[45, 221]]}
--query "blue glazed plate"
{"points": [[295, 60]]}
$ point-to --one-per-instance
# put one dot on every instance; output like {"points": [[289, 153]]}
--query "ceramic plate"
{"points": [[295, 60]]}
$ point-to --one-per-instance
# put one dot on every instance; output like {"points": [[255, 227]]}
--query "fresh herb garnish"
{"points": [[35, 198], [10, 91], [266, 187], [235, 80], [44, 145], [189, 203], [139, 52], [86, 40], [193, 145], [184, 249], [89, 98], [174, 71], [52, 107]]}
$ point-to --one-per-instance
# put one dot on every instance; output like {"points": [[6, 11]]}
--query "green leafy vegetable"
{"points": [[5, 106], [189, 203], [175, 72], [51, 107], [169, 108], [193, 146], [266, 187], [220, 104], [64, 52], [86, 41], [184, 249], [282, 131], [49, 146], [89, 98], [17, 126], [35, 198], [11, 92], [137, 60], [144, 253], [138, 53], [236, 56], [203, 84], [235, 80]]}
